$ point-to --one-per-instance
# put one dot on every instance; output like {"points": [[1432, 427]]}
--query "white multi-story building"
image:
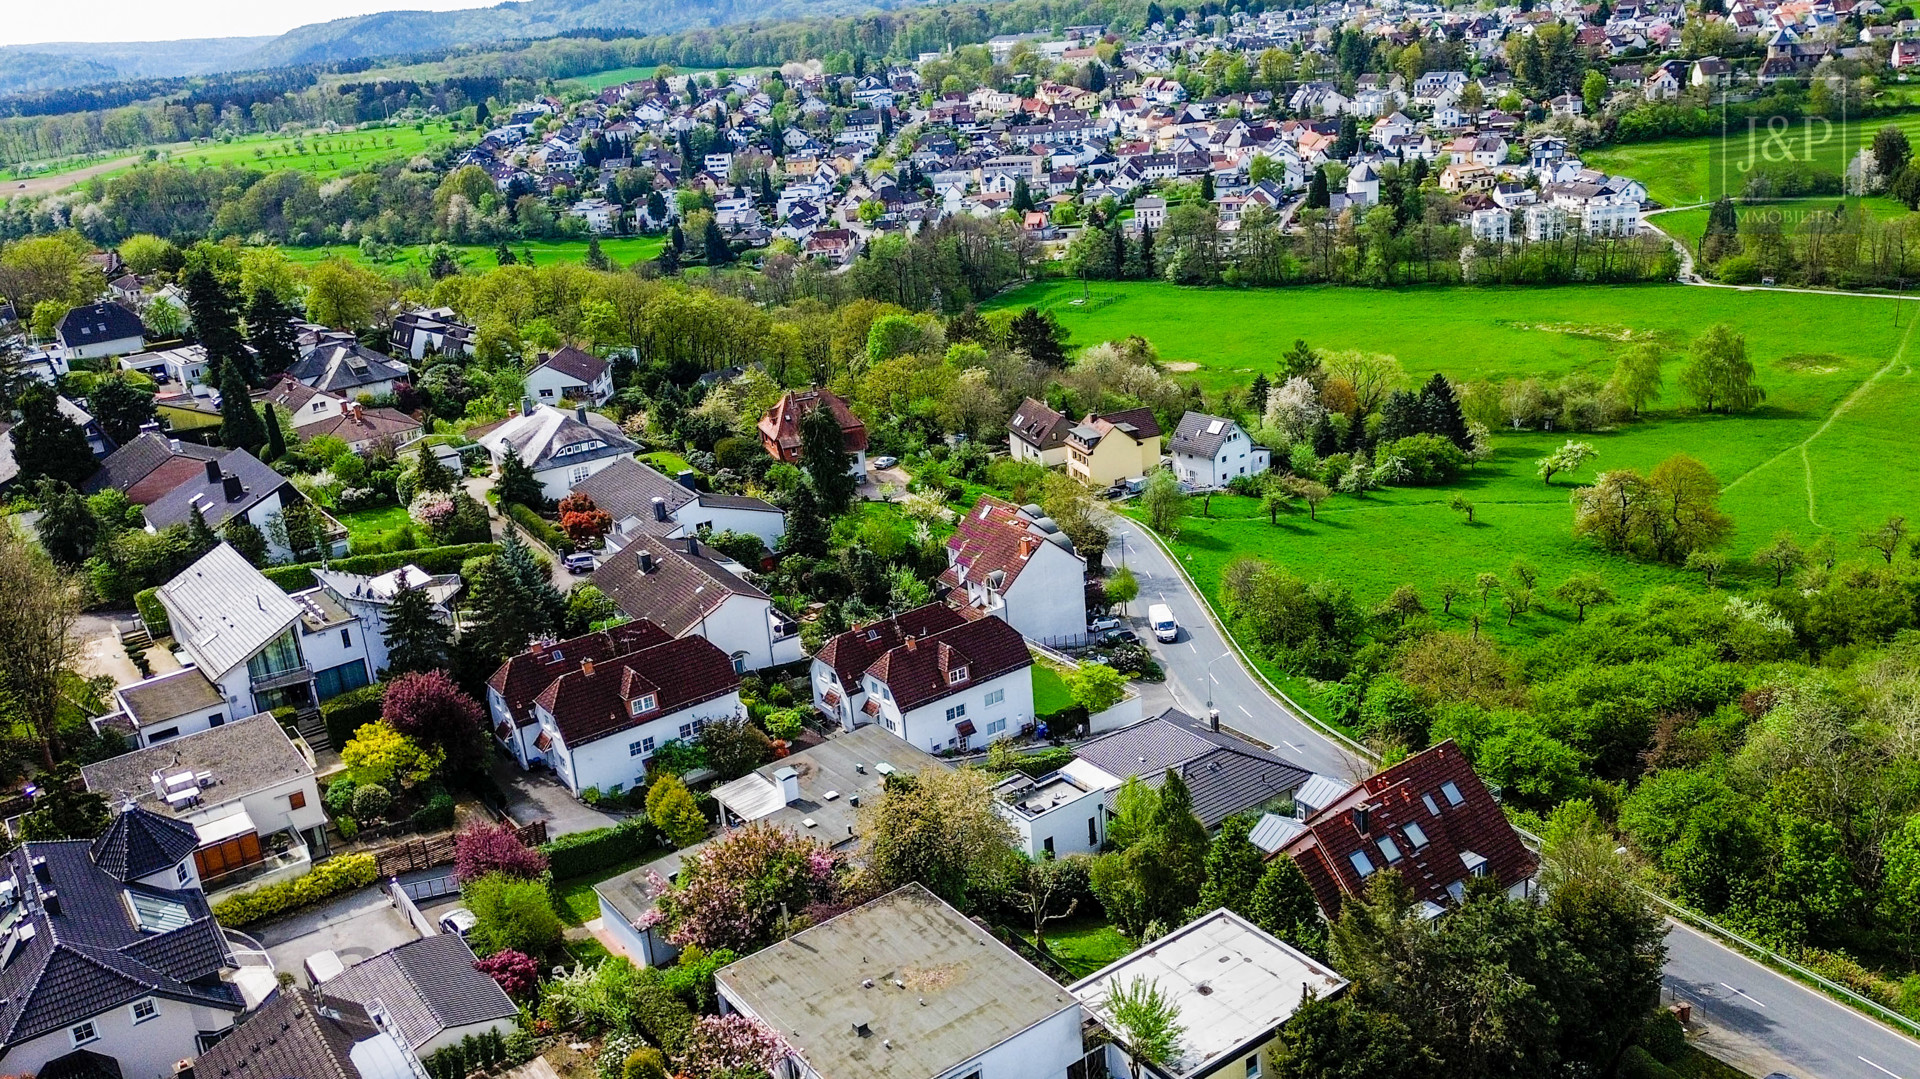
{"points": [[689, 589], [1211, 451], [960, 687], [1491, 225], [1014, 563]]}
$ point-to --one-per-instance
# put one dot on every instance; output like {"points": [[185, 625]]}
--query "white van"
{"points": [[1160, 617]]}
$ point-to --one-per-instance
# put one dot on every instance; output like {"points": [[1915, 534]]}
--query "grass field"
{"points": [[369, 529], [1821, 455], [321, 154], [600, 80], [1691, 224], [1049, 690], [1680, 172], [1084, 945], [623, 250]]}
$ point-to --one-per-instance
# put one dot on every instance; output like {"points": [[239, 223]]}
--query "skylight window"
{"points": [[154, 914], [1416, 836], [1390, 849], [1433, 807], [1362, 864], [1452, 792]]}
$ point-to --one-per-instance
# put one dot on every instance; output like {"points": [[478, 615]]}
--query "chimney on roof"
{"points": [[359, 411], [213, 471], [685, 478], [526, 406], [173, 446], [40, 871], [231, 483], [1362, 818], [1027, 546], [586, 667], [183, 1069], [646, 561], [789, 780], [580, 413], [50, 899], [693, 546], [659, 509], [913, 643]]}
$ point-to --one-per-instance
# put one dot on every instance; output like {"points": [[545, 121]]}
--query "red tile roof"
{"points": [[920, 672], [591, 703], [524, 677], [988, 538], [780, 427], [1412, 794], [852, 652]]}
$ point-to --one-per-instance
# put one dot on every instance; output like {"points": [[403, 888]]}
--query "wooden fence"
{"points": [[425, 852]]}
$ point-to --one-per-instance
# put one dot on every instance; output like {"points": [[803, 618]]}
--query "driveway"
{"points": [[356, 926], [533, 796], [100, 648]]}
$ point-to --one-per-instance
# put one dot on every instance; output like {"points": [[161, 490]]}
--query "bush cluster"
{"points": [[331, 877], [579, 853], [299, 577]]}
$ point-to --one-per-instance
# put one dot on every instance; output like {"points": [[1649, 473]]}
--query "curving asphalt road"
{"points": [[1756, 1019]]}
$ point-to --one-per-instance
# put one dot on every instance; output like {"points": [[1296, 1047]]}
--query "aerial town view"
{"points": [[960, 539]]}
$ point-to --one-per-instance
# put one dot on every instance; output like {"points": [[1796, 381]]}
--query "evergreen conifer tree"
{"points": [[240, 426], [415, 639], [1440, 412], [46, 443], [517, 483], [276, 441]]}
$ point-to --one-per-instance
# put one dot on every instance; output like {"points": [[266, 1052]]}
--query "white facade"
{"points": [[1493, 225], [1047, 601], [748, 629], [549, 387], [146, 1048], [1237, 456], [997, 707], [619, 760], [1055, 815]]}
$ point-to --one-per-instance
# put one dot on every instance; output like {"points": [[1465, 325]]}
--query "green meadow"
{"points": [[1681, 172], [623, 250], [1825, 454], [321, 154], [1689, 225]]}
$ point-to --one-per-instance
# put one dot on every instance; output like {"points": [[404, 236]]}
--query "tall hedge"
{"points": [[540, 528], [350, 711], [153, 613], [298, 578], [579, 853], [343, 873]]}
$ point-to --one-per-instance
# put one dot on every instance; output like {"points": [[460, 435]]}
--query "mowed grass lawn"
{"points": [[368, 529], [1083, 945], [1680, 172], [1688, 226], [322, 154], [625, 251], [1049, 689], [1826, 453]]}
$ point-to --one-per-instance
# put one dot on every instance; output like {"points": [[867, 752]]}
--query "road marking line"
{"points": [[1876, 1067], [1243, 708], [1731, 989], [1191, 647], [1293, 746]]}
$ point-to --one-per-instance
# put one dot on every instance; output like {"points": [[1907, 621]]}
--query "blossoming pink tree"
{"points": [[731, 1046], [733, 891]]}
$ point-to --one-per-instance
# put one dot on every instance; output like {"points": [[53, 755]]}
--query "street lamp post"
{"points": [[1212, 716]]}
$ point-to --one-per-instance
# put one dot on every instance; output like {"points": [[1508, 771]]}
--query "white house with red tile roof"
{"points": [[841, 664], [966, 685], [1015, 564], [513, 688]]}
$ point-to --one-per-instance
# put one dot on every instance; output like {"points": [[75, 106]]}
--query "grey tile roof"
{"points": [[95, 323], [1200, 435], [345, 367], [257, 481], [427, 986], [627, 488], [549, 437], [246, 756], [139, 844], [298, 1034], [682, 589], [90, 956], [1226, 775], [137, 459], [225, 609]]}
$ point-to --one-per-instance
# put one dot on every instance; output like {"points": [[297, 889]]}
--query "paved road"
{"points": [[1759, 1020]]}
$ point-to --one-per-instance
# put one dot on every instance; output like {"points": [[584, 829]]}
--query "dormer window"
{"points": [[956, 676], [643, 704]]}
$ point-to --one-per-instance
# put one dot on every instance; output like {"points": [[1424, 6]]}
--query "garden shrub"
{"points": [[512, 914], [339, 796], [540, 528], [436, 815], [580, 853], [372, 801], [330, 878], [349, 712], [447, 559], [153, 613]]}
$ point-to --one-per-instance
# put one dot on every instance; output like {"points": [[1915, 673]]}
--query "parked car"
{"points": [[885, 462], [578, 562], [458, 921], [1118, 636], [1102, 625]]}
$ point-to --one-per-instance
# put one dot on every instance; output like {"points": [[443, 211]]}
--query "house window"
{"points": [[996, 726], [546, 393], [642, 748], [956, 712], [83, 1033], [1416, 836], [643, 704], [996, 697], [1432, 806], [956, 676], [218, 719], [144, 1010], [161, 736], [346, 638], [1047, 846], [739, 663], [1362, 864], [181, 872], [692, 730], [1452, 792], [297, 800], [579, 474], [1390, 849], [1253, 1066]]}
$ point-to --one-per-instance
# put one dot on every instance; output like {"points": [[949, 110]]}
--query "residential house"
{"points": [[1038, 434], [114, 963], [1232, 985], [300, 1034], [780, 427], [99, 329], [816, 791], [513, 687], [150, 465], [562, 447], [435, 330], [238, 484], [570, 375], [688, 588], [1103, 450], [601, 722], [1210, 451], [1149, 212], [235, 785], [1014, 563], [1429, 817], [74, 414], [182, 366], [599, 214], [365, 430], [1227, 775], [1053, 815], [644, 502], [839, 688], [368, 599], [1491, 224], [906, 985], [349, 370], [963, 686], [429, 993]]}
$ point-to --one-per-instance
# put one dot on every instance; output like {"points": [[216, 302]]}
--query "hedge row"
{"points": [[153, 613], [579, 853], [331, 877], [540, 528], [351, 711], [299, 578]]}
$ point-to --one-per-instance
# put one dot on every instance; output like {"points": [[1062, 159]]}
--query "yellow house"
{"points": [[1103, 450], [1234, 986]]}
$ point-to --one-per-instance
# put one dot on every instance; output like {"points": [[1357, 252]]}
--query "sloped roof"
{"points": [[95, 323], [145, 454], [298, 1034], [684, 587], [426, 986], [918, 672], [627, 488], [987, 539], [549, 437], [852, 652], [1226, 775], [257, 481], [573, 363], [1418, 792], [345, 367], [140, 843], [524, 677], [359, 426], [1039, 426], [1201, 435], [780, 426], [678, 674], [225, 609]]}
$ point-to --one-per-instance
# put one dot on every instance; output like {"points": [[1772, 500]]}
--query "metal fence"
{"points": [[397, 894]]}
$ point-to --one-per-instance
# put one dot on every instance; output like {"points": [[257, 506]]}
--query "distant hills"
{"points": [[67, 64]]}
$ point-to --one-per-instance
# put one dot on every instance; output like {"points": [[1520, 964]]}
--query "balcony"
{"points": [[292, 676]]}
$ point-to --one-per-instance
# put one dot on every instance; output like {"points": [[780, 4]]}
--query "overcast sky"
{"points": [[28, 21]]}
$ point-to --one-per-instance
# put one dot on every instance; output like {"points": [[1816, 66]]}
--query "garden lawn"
{"points": [[574, 897], [1086, 944], [368, 529], [1680, 172], [667, 462], [625, 251], [1826, 453], [1049, 689]]}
